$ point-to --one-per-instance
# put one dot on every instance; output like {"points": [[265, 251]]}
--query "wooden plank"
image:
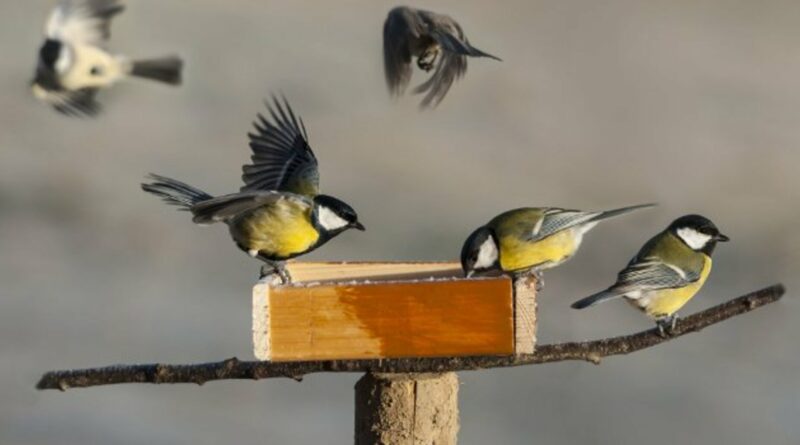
{"points": [[374, 271], [388, 310]]}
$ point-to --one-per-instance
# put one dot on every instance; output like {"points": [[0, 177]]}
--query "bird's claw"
{"points": [[539, 280], [268, 270], [666, 325]]}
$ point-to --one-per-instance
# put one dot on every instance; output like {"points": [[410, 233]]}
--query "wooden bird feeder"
{"points": [[335, 311], [409, 327]]}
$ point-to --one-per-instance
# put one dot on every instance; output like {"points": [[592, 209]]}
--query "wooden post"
{"points": [[407, 409]]}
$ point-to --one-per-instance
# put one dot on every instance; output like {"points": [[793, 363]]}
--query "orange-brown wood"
{"points": [[445, 318], [384, 310]]}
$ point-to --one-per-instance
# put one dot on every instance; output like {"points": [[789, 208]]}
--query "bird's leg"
{"points": [[537, 275], [275, 268], [666, 325], [427, 59]]}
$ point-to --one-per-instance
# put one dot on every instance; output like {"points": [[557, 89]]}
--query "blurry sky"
{"points": [[692, 104]]}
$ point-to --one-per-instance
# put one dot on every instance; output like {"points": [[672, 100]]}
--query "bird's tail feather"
{"points": [[452, 44], [475, 52], [165, 69], [616, 212], [174, 192], [599, 297]]}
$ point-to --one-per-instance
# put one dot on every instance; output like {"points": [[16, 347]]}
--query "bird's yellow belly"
{"points": [[279, 233], [516, 254], [666, 302]]}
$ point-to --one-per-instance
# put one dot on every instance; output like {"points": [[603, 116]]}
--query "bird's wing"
{"points": [[78, 103], [402, 25], [223, 208], [651, 273], [282, 160], [453, 60], [82, 21], [556, 220]]}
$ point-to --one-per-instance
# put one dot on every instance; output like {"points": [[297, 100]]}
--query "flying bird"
{"points": [[74, 63], [531, 239], [667, 272], [278, 213], [438, 43]]}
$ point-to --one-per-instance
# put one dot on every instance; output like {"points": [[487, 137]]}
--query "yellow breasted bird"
{"points": [[667, 272], [278, 214], [530, 239], [74, 63]]}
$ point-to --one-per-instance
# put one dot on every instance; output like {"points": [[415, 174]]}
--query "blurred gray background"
{"points": [[693, 104]]}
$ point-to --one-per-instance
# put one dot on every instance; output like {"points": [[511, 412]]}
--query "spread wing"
{"points": [[453, 60], [282, 160], [223, 208], [82, 21], [650, 273], [79, 103], [400, 28]]}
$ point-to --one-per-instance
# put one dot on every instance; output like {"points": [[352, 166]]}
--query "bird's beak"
{"points": [[358, 226], [722, 238]]}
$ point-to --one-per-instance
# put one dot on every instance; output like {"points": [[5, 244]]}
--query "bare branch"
{"points": [[591, 351]]}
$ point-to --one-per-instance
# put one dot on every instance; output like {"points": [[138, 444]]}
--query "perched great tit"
{"points": [[74, 64], [667, 272], [530, 239], [436, 40], [278, 214]]}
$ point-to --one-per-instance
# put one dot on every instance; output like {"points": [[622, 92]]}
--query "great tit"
{"points": [[667, 272], [436, 40], [530, 239], [74, 63], [278, 214]]}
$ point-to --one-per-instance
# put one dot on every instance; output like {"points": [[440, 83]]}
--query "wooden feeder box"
{"points": [[337, 311]]}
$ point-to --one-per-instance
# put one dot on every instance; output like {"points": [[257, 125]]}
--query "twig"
{"points": [[591, 351]]}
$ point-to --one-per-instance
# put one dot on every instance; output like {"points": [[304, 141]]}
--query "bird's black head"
{"points": [[333, 216], [480, 252], [49, 54], [697, 232]]}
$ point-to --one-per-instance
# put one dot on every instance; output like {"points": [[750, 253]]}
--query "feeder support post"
{"points": [[407, 409]]}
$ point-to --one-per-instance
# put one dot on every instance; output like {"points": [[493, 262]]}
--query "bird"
{"points": [[74, 63], [667, 272], [529, 240], [436, 40], [279, 213]]}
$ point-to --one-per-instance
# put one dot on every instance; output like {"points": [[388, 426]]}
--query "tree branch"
{"points": [[591, 351]]}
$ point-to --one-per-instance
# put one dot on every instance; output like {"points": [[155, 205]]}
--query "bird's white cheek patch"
{"points": [[330, 220], [487, 254], [64, 60], [693, 238]]}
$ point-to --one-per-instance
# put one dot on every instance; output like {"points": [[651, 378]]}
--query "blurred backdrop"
{"points": [[596, 105]]}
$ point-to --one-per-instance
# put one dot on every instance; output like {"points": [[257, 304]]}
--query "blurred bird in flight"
{"points": [[438, 43], [74, 63]]}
